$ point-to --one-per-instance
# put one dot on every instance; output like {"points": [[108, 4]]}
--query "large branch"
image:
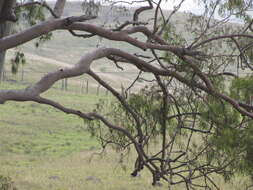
{"points": [[38, 30], [48, 80], [69, 24], [83, 66]]}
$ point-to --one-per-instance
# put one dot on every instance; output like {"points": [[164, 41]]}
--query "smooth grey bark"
{"points": [[59, 7]]}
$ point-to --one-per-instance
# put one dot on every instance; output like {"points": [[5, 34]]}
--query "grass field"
{"points": [[44, 149]]}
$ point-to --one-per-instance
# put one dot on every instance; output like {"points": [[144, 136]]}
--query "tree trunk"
{"points": [[5, 27], [4, 31]]}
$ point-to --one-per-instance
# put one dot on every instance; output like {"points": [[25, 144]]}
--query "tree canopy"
{"points": [[196, 109]]}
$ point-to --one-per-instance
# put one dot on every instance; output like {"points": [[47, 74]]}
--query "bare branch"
{"points": [[141, 9]]}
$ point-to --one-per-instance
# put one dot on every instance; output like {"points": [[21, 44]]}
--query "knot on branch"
{"points": [[8, 15], [71, 20], [116, 59], [7, 12]]}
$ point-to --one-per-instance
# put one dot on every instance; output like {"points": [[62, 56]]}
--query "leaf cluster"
{"points": [[31, 14], [18, 60]]}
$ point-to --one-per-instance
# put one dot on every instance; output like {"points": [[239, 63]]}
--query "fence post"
{"points": [[22, 74], [98, 89], [66, 84], [87, 86], [4, 75], [62, 84], [82, 86], [1, 76]]}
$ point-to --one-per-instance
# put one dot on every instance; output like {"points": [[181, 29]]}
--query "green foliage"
{"points": [[235, 7], [147, 105], [232, 136], [6, 183], [172, 37], [43, 38], [116, 113], [19, 59], [242, 89], [31, 14]]}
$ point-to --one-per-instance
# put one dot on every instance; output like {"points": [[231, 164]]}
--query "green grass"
{"points": [[30, 128], [42, 148], [73, 172]]}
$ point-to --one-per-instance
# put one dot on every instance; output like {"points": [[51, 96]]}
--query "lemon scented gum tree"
{"points": [[197, 106]]}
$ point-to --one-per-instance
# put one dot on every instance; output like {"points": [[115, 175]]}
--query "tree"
{"points": [[10, 14], [6, 16], [198, 105]]}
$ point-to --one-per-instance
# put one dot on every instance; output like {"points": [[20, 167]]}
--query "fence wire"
{"points": [[82, 84]]}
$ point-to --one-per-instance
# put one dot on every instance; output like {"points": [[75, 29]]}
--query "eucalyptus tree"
{"points": [[6, 16], [197, 107], [24, 13]]}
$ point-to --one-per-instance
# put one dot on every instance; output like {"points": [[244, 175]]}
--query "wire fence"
{"points": [[81, 84]]}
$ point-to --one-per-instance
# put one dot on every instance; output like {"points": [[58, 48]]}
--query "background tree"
{"points": [[28, 12], [6, 17], [196, 109]]}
